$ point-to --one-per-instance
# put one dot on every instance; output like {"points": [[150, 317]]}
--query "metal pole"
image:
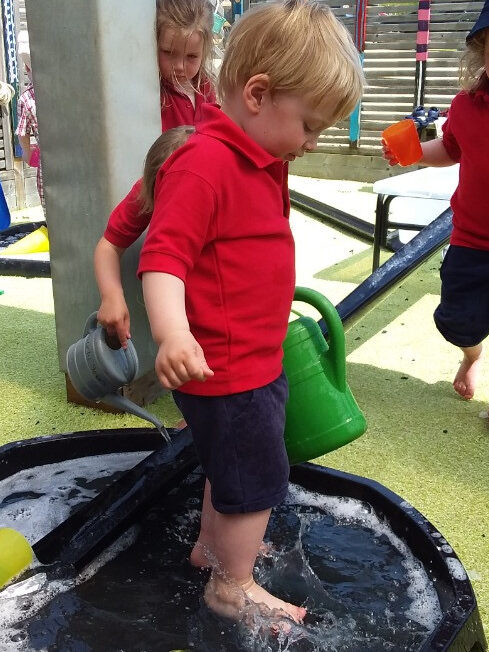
{"points": [[359, 37], [422, 42]]}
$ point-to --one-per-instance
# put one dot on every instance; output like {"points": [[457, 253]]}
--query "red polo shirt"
{"points": [[126, 222], [221, 224], [466, 139], [176, 107]]}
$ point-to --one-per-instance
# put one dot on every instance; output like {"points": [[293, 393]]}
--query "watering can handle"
{"points": [[337, 350], [91, 324], [130, 352]]}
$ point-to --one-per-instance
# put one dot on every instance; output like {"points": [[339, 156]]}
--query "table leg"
{"points": [[378, 231], [381, 226]]}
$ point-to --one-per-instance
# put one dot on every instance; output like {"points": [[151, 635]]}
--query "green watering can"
{"points": [[321, 413]]}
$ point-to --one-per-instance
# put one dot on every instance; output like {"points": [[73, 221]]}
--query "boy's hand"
{"points": [[388, 155], [113, 314], [180, 358]]}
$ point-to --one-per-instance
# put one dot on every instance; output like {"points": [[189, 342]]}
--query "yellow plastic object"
{"points": [[36, 242], [15, 554]]}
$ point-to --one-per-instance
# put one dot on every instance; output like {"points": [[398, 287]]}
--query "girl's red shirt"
{"points": [[176, 107], [466, 139]]}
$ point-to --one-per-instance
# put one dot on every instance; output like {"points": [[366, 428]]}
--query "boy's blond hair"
{"points": [[160, 150], [472, 72], [303, 49]]}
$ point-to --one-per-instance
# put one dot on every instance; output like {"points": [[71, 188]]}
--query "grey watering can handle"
{"points": [[337, 350], [130, 352], [132, 358], [90, 324]]}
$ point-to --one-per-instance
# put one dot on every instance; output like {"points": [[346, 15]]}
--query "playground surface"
{"points": [[423, 441]]}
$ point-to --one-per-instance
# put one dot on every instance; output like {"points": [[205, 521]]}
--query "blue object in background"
{"points": [[4, 211]]}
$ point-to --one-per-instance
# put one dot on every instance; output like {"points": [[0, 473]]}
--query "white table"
{"points": [[427, 183]]}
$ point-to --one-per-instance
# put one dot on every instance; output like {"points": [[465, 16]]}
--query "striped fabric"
{"points": [[361, 24], [423, 35]]}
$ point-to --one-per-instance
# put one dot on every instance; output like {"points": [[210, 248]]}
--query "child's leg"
{"points": [[463, 314], [465, 380], [237, 539], [203, 552], [240, 443]]}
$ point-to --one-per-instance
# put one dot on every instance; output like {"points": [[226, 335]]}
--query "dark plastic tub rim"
{"points": [[52, 448]]}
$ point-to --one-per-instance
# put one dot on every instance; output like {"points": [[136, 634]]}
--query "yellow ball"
{"points": [[15, 554]]}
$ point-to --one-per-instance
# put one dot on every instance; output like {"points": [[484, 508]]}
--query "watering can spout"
{"points": [[97, 370], [124, 404]]}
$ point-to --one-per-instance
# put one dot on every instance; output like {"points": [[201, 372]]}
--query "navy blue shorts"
{"points": [[240, 444], [463, 314]]}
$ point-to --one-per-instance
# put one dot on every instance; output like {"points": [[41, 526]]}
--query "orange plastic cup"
{"points": [[403, 141]]}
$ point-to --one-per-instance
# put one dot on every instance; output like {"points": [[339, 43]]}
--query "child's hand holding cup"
{"points": [[400, 143]]}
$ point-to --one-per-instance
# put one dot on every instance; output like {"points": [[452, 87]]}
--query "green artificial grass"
{"points": [[423, 442], [32, 389]]}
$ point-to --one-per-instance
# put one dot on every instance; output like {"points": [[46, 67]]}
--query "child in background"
{"points": [[184, 38], [27, 118], [463, 314], [126, 223], [219, 247]]}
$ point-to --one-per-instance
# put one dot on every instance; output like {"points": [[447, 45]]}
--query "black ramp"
{"points": [[400, 265], [333, 216], [97, 523]]}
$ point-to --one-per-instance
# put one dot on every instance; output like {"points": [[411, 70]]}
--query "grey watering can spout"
{"points": [[97, 371], [124, 404]]}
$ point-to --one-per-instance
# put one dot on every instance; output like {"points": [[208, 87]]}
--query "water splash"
{"points": [[334, 556]]}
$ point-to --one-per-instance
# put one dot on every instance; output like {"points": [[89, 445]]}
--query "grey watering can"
{"points": [[97, 371]]}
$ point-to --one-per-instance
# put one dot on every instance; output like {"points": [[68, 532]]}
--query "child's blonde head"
{"points": [[160, 150], [302, 48], [189, 17], [472, 70]]}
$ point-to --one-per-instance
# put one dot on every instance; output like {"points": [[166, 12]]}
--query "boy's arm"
{"points": [[180, 357], [113, 313]]}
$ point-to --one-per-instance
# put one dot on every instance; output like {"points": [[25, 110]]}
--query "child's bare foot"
{"points": [[465, 380], [231, 601], [201, 555], [260, 596]]}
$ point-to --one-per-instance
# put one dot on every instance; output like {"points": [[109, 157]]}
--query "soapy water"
{"points": [[34, 501], [363, 588]]}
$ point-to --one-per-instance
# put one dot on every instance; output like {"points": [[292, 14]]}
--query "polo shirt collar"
{"points": [[171, 88], [216, 124]]}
